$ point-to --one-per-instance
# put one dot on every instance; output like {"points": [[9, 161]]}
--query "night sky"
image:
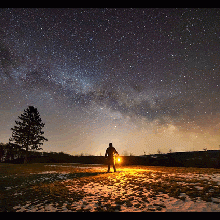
{"points": [[143, 79]]}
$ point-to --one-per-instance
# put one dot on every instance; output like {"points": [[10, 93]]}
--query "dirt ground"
{"points": [[81, 188]]}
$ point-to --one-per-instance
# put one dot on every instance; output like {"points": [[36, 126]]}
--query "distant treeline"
{"points": [[10, 153], [203, 159]]}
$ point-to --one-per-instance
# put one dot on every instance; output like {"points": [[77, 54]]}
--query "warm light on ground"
{"points": [[88, 187]]}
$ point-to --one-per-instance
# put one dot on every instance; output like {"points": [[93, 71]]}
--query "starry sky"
{"points": [[145, 79]]}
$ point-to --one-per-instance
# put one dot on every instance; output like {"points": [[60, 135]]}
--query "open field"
{"points": [[78, 187]]}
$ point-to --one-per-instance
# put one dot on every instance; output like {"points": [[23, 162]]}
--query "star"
{"points": [[127, 76]]}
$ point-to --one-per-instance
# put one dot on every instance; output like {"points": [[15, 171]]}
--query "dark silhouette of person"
{"points": [[110, 154]]}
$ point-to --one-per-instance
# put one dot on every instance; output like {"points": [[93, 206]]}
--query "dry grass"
{"points": [[63, 187]]}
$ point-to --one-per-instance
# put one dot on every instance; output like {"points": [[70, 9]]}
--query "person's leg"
{"points": [[114, 168], [108, 167]]}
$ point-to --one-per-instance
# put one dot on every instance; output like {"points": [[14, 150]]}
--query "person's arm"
{"points": [[116, 152]]}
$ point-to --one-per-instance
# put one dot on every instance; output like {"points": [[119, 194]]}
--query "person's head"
{"points": [[110, 144]]}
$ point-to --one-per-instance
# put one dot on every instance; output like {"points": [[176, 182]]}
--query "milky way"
{"points": [[143, 79]]}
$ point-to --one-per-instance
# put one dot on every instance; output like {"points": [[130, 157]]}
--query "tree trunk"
{"points": [[26, 156], [28, 137], [26, 151]]}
